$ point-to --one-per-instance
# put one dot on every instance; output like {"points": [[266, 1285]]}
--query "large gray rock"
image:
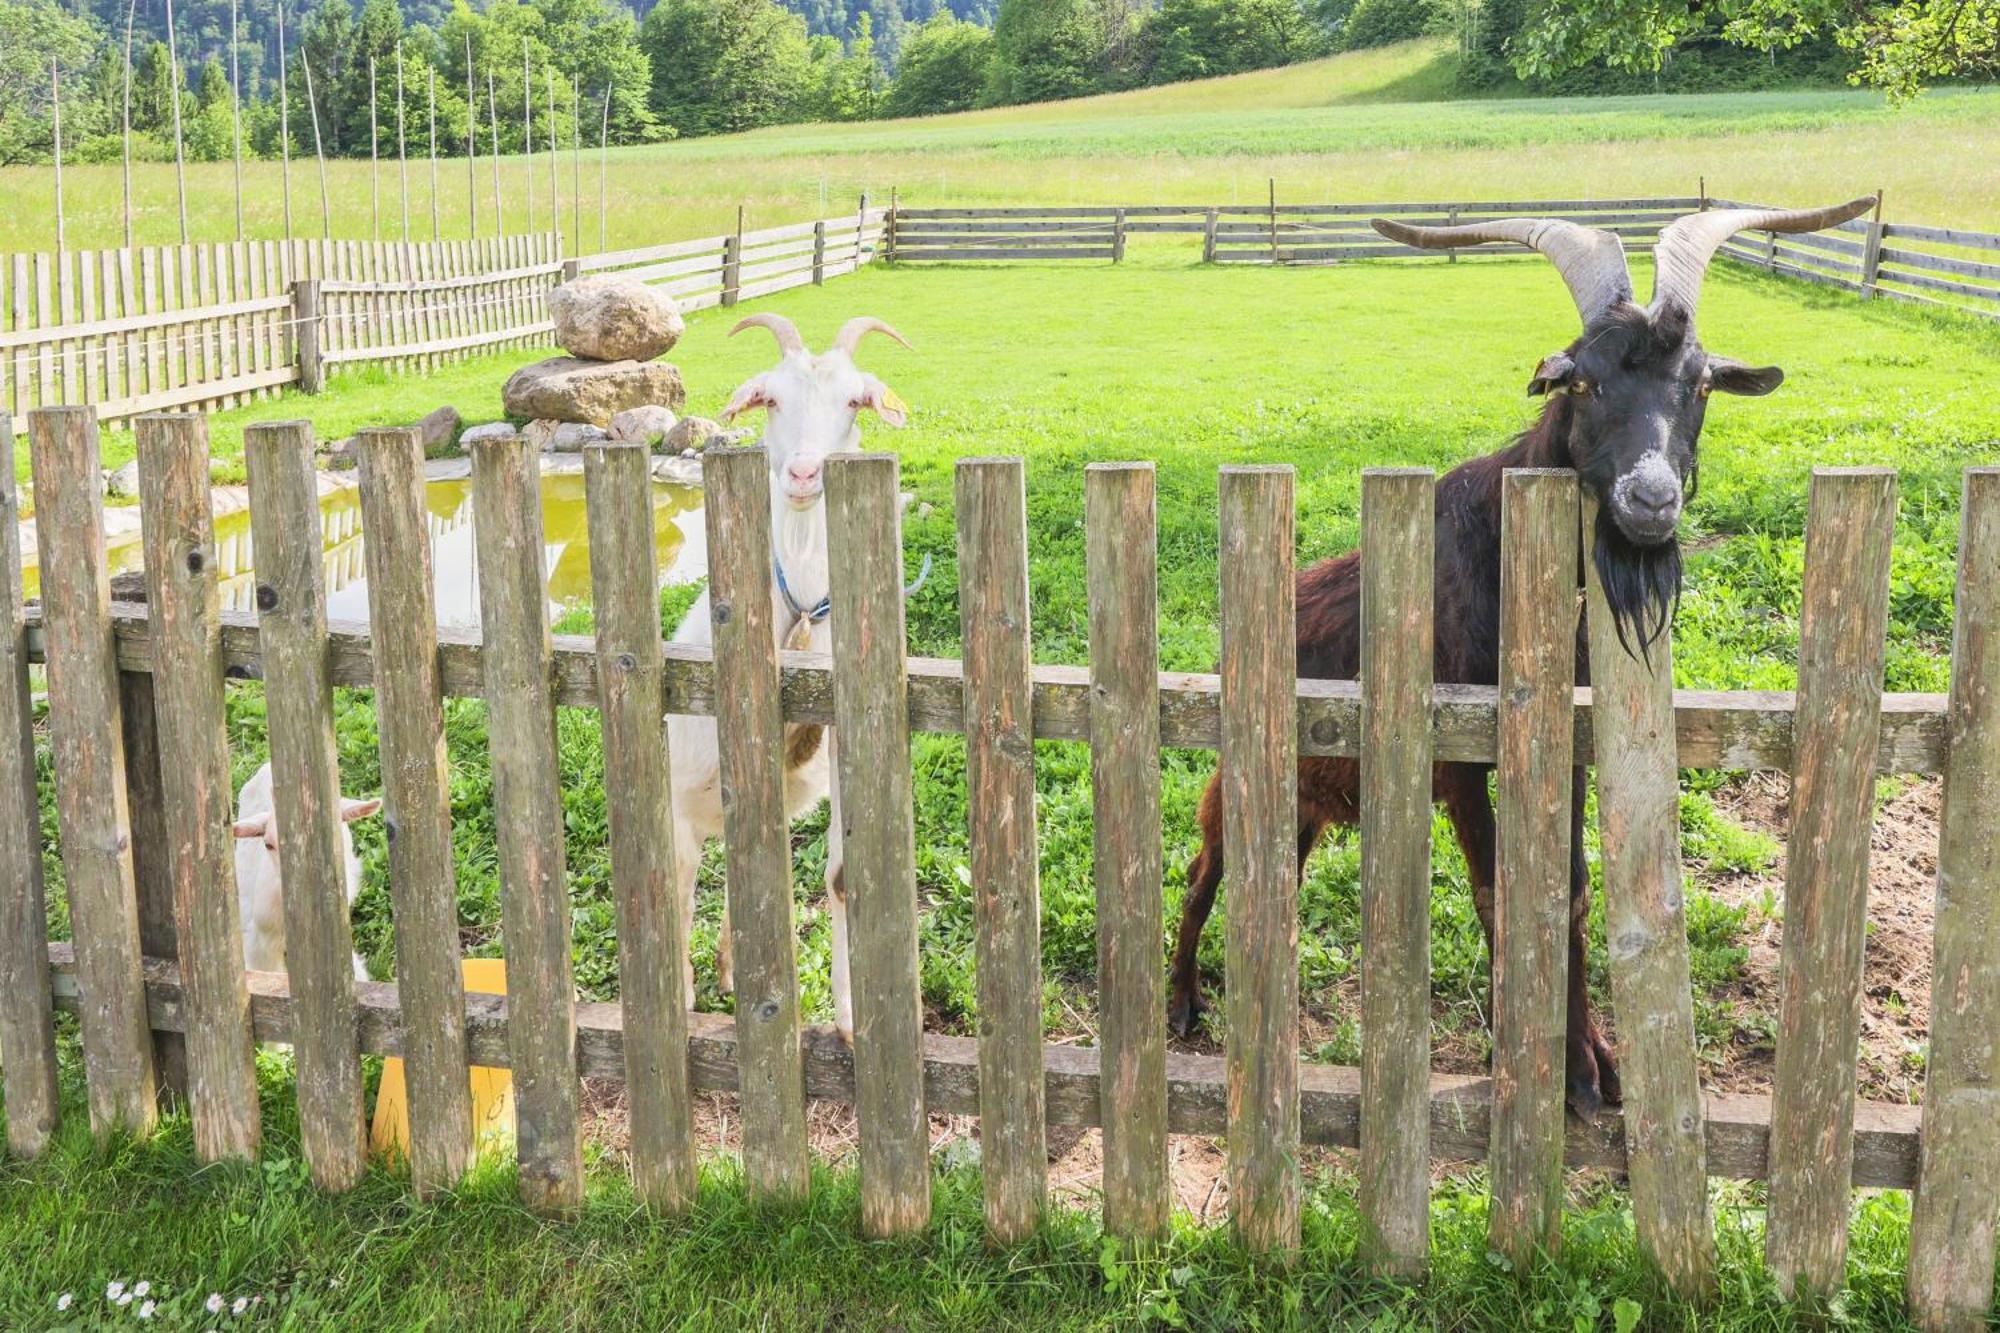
{"points": [[491, 430], [122, 483], [609, 318], [440, 431], [561, 437], [693, 434], [642, 425], [565, 388]]}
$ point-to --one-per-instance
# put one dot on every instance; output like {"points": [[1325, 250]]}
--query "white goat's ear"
{"points": [[351, 810], [252, 827], [883, 402], [754, 393]]}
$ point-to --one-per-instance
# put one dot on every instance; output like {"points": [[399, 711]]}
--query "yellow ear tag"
{"points": [[893, 403]]}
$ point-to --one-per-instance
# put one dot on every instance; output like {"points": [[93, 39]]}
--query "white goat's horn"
{"points": [[1687, 243], [786, 332], [1591, 260], [854, 330]]}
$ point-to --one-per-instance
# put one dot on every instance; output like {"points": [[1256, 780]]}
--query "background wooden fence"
{"points": [[1947, 266], [143, 330], [1810, 1138]]}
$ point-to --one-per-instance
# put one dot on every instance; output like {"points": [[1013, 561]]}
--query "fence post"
{"points": [[1397, 522], [415, 801], [732, 261], [1770, 249], [1538, 527], [291, 625], [878, 850], [750, 744], [27, 1032], [1645, 926], [1208, 236], [652, 937], [1850, 525], [1259, 772], [1121, 556], [1451, 220], [305, 334], [1701, 204], [572, 269], [1871, 250], [861, 232], [1950, 1281], [1273, 182], [889, 228], [185, 622], [1000, 786], [85, 717], [819, 254], [138, 729], [534, 903], [1118, 238]]}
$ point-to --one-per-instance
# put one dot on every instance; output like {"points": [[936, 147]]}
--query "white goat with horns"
{"points": [[811, 409]]}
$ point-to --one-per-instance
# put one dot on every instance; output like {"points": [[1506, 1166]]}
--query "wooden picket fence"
{"points": [[155, 971], [143, 330], [1947, 266]]}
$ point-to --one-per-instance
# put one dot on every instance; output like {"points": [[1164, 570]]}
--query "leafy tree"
{"points": [[851, 81], [1194, 39], [725, 65], [1380, 22], [1046, 49], [943, 68], [33, 35], [1899, 45]]}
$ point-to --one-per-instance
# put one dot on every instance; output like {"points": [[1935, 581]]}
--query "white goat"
{"points": [[810, 404], [259, 887]]}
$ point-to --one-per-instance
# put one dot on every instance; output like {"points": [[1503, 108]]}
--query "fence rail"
{"points": [[1833, 736]]}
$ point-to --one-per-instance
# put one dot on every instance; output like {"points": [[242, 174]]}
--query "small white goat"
{"points": [[259, 887], [811, 405]]}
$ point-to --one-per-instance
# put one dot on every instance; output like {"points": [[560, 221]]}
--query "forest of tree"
{"points": [[353, 78]]}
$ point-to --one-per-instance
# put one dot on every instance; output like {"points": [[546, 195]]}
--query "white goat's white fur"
{"points": [[260, 894], [811, 404]]}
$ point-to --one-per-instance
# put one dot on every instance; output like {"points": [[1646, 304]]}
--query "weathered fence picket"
{"points": [[184, 612], [27, 1032], [1397, 523], [534, 893], [305, 791], [991, 501], [1843, 619], [877, 839], [750, 743], [1645, 931], [85, 738], [416, 805], [1952, 1218], [1531, 892], [1259, 768], [652, 937], [1121, 544]]}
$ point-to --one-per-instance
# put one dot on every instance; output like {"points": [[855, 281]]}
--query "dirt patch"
{"points": [[1896, 976]]}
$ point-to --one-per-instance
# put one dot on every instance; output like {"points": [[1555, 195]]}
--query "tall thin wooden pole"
{"points": [[235, 116], [402, 142], [528, 133], [555, 153], [55, 111], [436, 231], [284, 123], [319, 153], [471, 142], [180, 153], [131, 13], [603, 170], [374, 160], [576, 161], [493, 129]]}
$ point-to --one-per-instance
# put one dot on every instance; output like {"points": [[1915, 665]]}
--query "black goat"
{"points": [[1625, 408]]}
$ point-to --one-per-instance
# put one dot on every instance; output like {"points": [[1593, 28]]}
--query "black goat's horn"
{"points": [[1680, 259], [1591, 261]]}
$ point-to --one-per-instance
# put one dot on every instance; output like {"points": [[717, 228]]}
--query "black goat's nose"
{"points": [[1654, 495]]}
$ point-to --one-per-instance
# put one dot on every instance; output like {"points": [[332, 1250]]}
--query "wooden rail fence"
{"points": [[1811, 1138]]}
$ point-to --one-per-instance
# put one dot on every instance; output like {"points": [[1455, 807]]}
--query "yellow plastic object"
{"points": [[492, 1089]]}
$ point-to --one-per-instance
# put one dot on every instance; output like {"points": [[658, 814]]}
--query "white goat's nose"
{"points": [[805, 471]]}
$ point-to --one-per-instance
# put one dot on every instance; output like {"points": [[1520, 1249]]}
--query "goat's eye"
{"points": [[1705, 388], [1580, 387]]}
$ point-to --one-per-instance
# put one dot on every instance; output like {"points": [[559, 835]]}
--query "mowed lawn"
{"points": [[1376, 125], [1189, 367]]}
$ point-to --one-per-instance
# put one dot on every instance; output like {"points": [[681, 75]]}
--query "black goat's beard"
{"points": [[1642, 585]]}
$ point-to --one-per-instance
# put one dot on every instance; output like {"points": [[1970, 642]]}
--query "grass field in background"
{"points": [[1370, 125]]}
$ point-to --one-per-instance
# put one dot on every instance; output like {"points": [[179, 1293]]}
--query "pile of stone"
{"points": [[612, 384]]}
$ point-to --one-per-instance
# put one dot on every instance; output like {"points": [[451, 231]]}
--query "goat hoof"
{"points": [[1184, 1015], [1608, 1082], [1583, 1090]]}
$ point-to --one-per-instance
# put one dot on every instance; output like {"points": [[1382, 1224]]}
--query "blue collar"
{"points": [[823, 608]]}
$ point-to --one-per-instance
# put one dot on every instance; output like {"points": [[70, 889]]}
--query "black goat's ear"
{"points": [[1727, 376], [1553, 373]]}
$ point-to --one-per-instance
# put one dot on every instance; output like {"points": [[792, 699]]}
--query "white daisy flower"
{"points": [[146, 1310], [113, 1290], [141, 1288], [63, 1301], [214, 1303], [125, 1300], [239, 1305]]}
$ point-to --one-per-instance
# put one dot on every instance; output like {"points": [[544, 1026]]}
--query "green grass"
{"points": [[1373, 125], [1189, 367], [85, 1217]]}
